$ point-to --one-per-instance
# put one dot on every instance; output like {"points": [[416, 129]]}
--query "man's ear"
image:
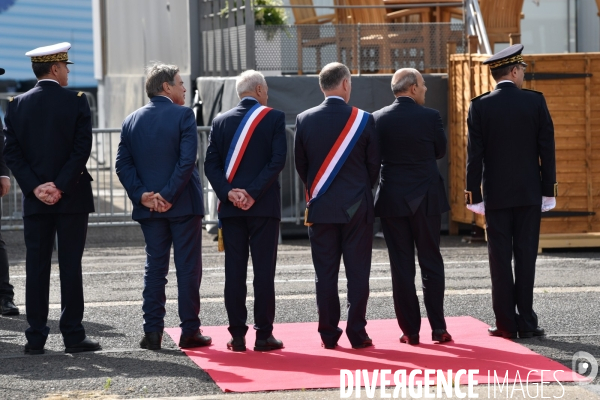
{"points": [[165, 87]]}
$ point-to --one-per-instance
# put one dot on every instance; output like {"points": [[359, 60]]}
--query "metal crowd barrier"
{"points": [[114, 208]]}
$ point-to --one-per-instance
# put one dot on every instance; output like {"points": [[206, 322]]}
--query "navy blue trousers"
{"points": [[6, 289], [513, 231], [185, 235], [260, 236], [329, 243], [40, 231]]}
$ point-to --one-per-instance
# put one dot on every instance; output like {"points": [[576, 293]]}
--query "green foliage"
{"points": [[266, 14], [107, 384]]}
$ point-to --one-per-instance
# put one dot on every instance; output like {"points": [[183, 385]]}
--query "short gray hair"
{"points": [[332, 75], [404, 83], [157, 74], [248, 80]]}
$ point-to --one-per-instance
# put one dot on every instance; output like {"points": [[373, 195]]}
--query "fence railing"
{"points": [[231, 42], [114, 208]]}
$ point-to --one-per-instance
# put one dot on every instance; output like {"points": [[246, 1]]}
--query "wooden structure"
{"points": [[571, 86], [501, 19], [309, 36]]}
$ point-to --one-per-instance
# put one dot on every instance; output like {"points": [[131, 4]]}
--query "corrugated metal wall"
{"points": [[33, 23]]}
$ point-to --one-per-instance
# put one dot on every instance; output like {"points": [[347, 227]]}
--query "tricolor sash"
{"points": [[336, 157], [238, 146]]}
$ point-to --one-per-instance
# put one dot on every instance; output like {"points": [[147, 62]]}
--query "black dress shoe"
{"points": [[86, 344], [268, 344], [441, 335], [504, 334], [329, 346], [7, 307], [237, 343], [32, 351], [368, 342], [410, 339], [195, 340], [151, 340], [529, 334]]}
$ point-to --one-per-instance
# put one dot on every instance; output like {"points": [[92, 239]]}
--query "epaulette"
{"points": [[10, 99], [79, 94], [534, 91], [482, 94]]}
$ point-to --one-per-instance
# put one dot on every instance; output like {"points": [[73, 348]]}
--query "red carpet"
{"points": [[304, 364]]}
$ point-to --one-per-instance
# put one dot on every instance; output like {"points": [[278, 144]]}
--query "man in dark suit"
{"points": [[7, 306], [156, 163], [250, 208], [410, 201], [512, 135], [340, 219], [48, 142]]}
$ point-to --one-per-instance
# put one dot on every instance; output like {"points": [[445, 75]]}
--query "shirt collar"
{"points": [[335, 97], [505, 81]]}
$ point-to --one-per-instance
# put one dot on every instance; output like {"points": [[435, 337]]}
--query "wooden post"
{"points": [[473, 44], [450, 50], [588, 143], [514, 38]]}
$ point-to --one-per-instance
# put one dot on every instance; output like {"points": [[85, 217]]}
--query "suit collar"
{"points": [[405, 100], [47, 82], [504, 85], [248, 102], [334, 100], [161, 99]]}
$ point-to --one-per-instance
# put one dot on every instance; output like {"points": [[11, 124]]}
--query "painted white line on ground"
{"points": [[311, 296]]}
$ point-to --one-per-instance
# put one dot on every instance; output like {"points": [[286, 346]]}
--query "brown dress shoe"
{"points": [[368, 342], [497, 332], [268, 344], [440, 335], [410, 339], [237, 343], [195, 340]]}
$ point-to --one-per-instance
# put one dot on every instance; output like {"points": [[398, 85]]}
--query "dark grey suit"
{"points": [[410, 200]]}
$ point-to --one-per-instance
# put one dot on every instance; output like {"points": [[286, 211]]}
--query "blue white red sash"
{"points": [[338, 154], [237, 149], [242, 136]]}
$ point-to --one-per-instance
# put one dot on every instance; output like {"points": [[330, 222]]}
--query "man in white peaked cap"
{"points": [[48, 142]]}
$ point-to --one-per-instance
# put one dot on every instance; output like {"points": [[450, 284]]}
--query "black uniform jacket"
{"points": [[49, 139], [260, 167], [3, 168], [317, 129], [411, 139], [511, 145]]}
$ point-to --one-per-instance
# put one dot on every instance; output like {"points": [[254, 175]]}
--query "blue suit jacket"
{"points": [[411, 138], [260, 167], [157, 153], [317, 129]]}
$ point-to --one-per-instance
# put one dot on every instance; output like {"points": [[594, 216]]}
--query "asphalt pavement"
{"points": [[567, 300]]}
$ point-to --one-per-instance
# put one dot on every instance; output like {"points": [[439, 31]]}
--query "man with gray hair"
{"points": [[156, 163], [337, 158], [410, 201], [246, 153]]}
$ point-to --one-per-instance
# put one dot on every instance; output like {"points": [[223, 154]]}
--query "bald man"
{"points": [[410, 201]]}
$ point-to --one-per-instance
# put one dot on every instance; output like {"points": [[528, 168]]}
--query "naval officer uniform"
{"points": [[511, 156]]}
